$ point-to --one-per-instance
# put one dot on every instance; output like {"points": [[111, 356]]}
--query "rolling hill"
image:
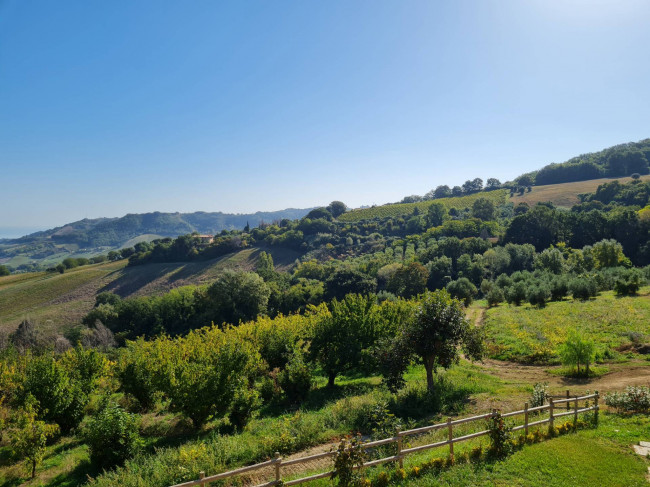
{"points": [[59, 301], [86, 238]]}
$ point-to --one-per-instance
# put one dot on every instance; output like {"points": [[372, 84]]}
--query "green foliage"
{"points": [[244, 404], [408, 281], [296, 379], [629, 282], [635, 399], [539, 294], [341, 336], [516, 293], [4, 270], [494, 296], [462, 289], [237, 296], [111, 435], [578, 351], [30, 435], [500, 434], [483, 209], [538, 396], [60, 398], [349, 454], [583, 288]]}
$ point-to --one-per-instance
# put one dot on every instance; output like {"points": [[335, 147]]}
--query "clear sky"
{"points": [[111, 107]]}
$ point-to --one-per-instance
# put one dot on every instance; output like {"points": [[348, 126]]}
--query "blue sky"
{"points": [[114, 107]]}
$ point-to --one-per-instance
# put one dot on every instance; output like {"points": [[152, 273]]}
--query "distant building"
{"points": [[205, 239]]}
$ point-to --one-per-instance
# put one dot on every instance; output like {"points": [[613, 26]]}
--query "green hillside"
{"points": [[59, 301], [403, 209]]}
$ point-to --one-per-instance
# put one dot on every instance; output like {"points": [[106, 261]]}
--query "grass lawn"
{"points": [[529, 334]]}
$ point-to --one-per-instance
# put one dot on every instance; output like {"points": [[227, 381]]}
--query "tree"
{"points": [[265, 267], [577, 351], [30, 437], [551, 260], [492, 184], [111, 435], [342, 335], [472, 186], [4, 270], [483, 209], [436, 332], [457, 191], [525, 180], [436, 214], [442, 191], [237, 296], [337, 208], [317, 213], [346, 280], [26, 336], [608, 253], [462, 289], [408, 281]]}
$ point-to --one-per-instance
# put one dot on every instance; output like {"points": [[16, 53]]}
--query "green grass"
{"points": [[600, 456], [403, 209], [529, 334]]}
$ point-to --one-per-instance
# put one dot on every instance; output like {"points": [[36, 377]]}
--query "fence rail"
{"points": [[278, 463]]}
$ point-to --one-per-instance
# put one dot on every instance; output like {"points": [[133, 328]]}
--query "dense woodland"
{"points": [[371, 297]]}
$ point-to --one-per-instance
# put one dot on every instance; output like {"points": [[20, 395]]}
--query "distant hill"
{"points": [[93, 236]]}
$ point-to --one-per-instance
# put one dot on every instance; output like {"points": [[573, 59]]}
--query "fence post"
{"points": [[399, 448], [278, 464], [550, 417], [201, 477], [568, 404], [596, 408], [450, 430], [575, 414], [526, 419]]}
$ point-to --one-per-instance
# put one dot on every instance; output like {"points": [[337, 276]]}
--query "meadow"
{"points": [[531, 334]]}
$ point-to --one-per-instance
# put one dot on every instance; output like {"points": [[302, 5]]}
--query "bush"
{"points": [[559, 287], [583, 288], [634, 399], [296, 379], [495, 296], [629, 283], [538, 397], [538, 295], [111, 435], [463, 290], [500, 437], [245, 402], [516, 293]]}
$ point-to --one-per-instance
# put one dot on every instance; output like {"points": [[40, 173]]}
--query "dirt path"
{"points": [[619, 375]]}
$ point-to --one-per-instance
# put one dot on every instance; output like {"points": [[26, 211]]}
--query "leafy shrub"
{"points": [[463, 290], [559, 287], [245, 402], [583, 288], [495, 296], [60, 399], [635, 399], [516, 293], [538, 295], [111, 435], [538, 397], [296, 379], [350, 455], [500, 437], [629, 283]]}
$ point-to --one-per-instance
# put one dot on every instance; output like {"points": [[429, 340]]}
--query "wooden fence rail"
{"points": [[278, 463]]}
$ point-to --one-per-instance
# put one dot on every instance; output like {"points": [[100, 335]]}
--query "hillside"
{"points": [[86, 238], [564, 194], [405, 209], [59, 301]]}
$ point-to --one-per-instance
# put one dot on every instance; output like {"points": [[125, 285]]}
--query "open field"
{"points": [[529, 334], [403, 209], [566, 194], [58, 301]]}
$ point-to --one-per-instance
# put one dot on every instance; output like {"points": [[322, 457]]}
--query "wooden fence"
{"points": [[277, 464]]}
